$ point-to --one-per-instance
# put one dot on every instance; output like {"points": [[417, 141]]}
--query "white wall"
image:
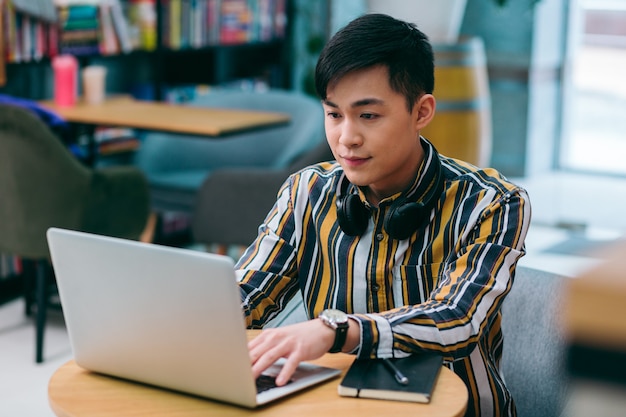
{"points": [[440, 20]]}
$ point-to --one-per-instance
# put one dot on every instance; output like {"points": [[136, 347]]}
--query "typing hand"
{"points": [[296, 343]]}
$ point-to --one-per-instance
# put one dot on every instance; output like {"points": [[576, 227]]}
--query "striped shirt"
{"points": [[439, 290]]}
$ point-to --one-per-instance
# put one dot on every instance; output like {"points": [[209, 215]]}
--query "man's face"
{"points": [[371, 133]]}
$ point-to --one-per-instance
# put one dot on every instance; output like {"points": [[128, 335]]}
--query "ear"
{"points": [[424, 110]]}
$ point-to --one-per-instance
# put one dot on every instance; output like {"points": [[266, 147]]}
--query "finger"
{"points": [[255, 352], [261, 366], [265, 360], [290, 366], [257, 340], [264, 342]]}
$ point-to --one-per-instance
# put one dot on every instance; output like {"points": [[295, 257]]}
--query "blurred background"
{"points": [[548, 105]]}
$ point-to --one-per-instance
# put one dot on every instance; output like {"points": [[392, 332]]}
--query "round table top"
{"points": [[76, 392]]}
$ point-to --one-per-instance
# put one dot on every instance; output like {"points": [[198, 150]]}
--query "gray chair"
{"points": [[177, 165], [232, 202], [43, 185], [534, 353]]}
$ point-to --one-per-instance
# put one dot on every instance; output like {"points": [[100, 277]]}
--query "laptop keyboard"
{"points": [[266, 382]]}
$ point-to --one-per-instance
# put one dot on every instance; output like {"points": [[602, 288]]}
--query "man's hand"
{"points": [[296, 343]]}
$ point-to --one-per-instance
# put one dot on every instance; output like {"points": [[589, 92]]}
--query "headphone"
{"points": [[402, 219]]}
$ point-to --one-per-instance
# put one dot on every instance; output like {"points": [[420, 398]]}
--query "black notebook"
{"points": [[373, 378]]}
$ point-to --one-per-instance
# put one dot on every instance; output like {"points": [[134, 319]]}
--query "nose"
{"points": [[350, 135]]}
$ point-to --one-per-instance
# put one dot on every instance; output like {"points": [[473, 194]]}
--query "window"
{"points": [[594, 122]]}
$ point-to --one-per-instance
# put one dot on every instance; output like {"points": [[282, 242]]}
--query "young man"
{"points": [[403, 249]]}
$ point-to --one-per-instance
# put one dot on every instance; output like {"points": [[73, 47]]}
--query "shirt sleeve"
{"points": [[473, 281], [267, 270]]}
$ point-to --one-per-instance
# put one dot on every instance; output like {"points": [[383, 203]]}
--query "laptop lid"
{"points": [[159, 315]]}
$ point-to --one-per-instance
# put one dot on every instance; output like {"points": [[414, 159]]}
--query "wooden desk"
{"points": [[595, 330], [159, 116], [74, 392], [124, 111]]}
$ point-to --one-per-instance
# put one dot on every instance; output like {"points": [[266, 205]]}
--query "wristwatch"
{"points": [[338, 321]]}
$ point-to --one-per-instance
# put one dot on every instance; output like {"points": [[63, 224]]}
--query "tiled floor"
{"points": [[23, 384], [569, 200]]}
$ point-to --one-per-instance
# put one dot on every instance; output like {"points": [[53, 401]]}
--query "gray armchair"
{"points": [[232, 202], [534, 353], [43, 185]]}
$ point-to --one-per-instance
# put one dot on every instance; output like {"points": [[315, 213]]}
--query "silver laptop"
{"points": [[162, 316]]}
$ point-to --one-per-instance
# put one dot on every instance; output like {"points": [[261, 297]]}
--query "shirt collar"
{"points": [[428, 178]]}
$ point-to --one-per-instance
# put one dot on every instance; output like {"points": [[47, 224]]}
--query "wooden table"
{"points": [[74, 392], [159, 116], [124, 111]]}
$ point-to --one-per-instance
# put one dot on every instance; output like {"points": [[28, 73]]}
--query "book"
{"points": [[175, 18], [121, 26], [108, 39], [373, 378], [235, 20]]}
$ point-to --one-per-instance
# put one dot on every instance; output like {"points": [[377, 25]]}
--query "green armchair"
{"points": [[43, 185]]}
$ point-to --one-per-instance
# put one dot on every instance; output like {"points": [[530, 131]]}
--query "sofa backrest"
{"points": [[273, 147]]}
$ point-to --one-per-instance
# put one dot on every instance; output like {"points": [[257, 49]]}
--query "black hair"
{"points": [[378, 39]]}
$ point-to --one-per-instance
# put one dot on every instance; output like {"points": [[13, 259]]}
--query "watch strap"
{"points": [[341, 332]]}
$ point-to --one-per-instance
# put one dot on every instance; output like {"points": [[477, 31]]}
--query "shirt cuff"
{"points": [[376, 337]]}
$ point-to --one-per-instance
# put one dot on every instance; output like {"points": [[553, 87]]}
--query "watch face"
{"points": [[335, 316]]}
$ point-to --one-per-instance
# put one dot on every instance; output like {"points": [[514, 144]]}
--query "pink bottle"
{"points": [[65, 69]]}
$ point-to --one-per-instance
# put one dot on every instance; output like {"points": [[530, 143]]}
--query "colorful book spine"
{"points": [[175, 10], [201, 23], [10, 266], [40, 43], [265, 32], [121, 26], [27, 38], [109, 44], [143, 21], [185, 20], [17, 47], [235, 22], [280, 19]]}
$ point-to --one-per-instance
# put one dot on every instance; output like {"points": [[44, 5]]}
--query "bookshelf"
{"points": [[240, 39], [27, 32], [173, 42]]}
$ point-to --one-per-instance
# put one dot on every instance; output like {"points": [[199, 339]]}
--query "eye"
{"points": [[369, 116], [333, 115]]}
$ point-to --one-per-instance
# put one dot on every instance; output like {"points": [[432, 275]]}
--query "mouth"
{"points": [[354, 160]]}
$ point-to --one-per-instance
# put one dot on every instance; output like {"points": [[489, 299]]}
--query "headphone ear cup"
{"points": [[403, 220], [352, 215]]}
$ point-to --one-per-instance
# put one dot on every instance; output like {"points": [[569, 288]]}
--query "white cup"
{"points": [[94, 77]]}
